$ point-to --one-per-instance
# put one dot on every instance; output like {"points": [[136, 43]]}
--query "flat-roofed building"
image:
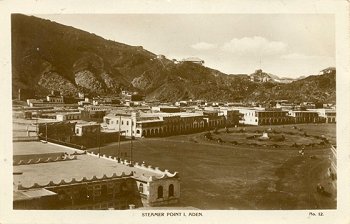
{"points": [[326, 115], [166, 109], [123, 122], [55, 99], [48, 176], [84, 129], [232, 116], [95, 115], [149, 127], [194, 60], [68, 116], [261, 116], [56, 130], [213, 119], [155, 124], [304, 117]]}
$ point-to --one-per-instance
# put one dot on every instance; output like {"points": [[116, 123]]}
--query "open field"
{"points": [[219, 176]]}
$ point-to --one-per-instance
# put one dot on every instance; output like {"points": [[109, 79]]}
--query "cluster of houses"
{"points": [[111, 119], [121, 184]]}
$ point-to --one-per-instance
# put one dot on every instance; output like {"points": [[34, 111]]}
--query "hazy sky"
{"points": [[288, 45]]}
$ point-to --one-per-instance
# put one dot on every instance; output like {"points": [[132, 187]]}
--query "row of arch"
{"points": [[160, 190], [290, 120], [275, 121], [167, 131], [178, 129], [330, 120], [84, 194]]}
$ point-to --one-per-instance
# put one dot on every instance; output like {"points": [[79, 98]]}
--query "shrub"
{"points": [[295, 145], [219, 140], [234, 143]]}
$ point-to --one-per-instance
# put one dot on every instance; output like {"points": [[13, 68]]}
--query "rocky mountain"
{"points": [[260, 76], [49, 56]]}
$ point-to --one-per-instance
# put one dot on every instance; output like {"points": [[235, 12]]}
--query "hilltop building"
{"points": [[328, 70], [194, 60], [161, 57], [260, 76]]}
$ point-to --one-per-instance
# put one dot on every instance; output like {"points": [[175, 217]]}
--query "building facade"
{"points": [[68, 116], [304, 117], [262, 117], [158, 124], [98, 182]]}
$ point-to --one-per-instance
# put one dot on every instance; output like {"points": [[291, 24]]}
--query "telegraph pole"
{"points": [[118, 153], [36, 126], [99, 141], [260, 62], [131, 145]]}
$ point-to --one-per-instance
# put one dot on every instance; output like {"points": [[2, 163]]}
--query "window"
{"points": [[137, 131], [160, 192], [104, 191], [127, 122], [123, 187], [141, 188], [83, 194], [171, 190]]}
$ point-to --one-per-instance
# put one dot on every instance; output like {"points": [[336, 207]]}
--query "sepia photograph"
{"points": [[175, 114]]}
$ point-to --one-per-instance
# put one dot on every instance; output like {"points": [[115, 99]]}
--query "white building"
{"points": [[327, 115], [154, 124], [194, 60], [68, 116], [260, 116], [83, 129], [304, 116], [54, 99]]}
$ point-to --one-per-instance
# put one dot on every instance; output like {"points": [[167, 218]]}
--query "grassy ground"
{"points": [[219, 176]]}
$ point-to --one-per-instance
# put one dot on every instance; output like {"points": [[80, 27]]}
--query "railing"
{"points": [[62, 142], [24, 138], [334, 151]]}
